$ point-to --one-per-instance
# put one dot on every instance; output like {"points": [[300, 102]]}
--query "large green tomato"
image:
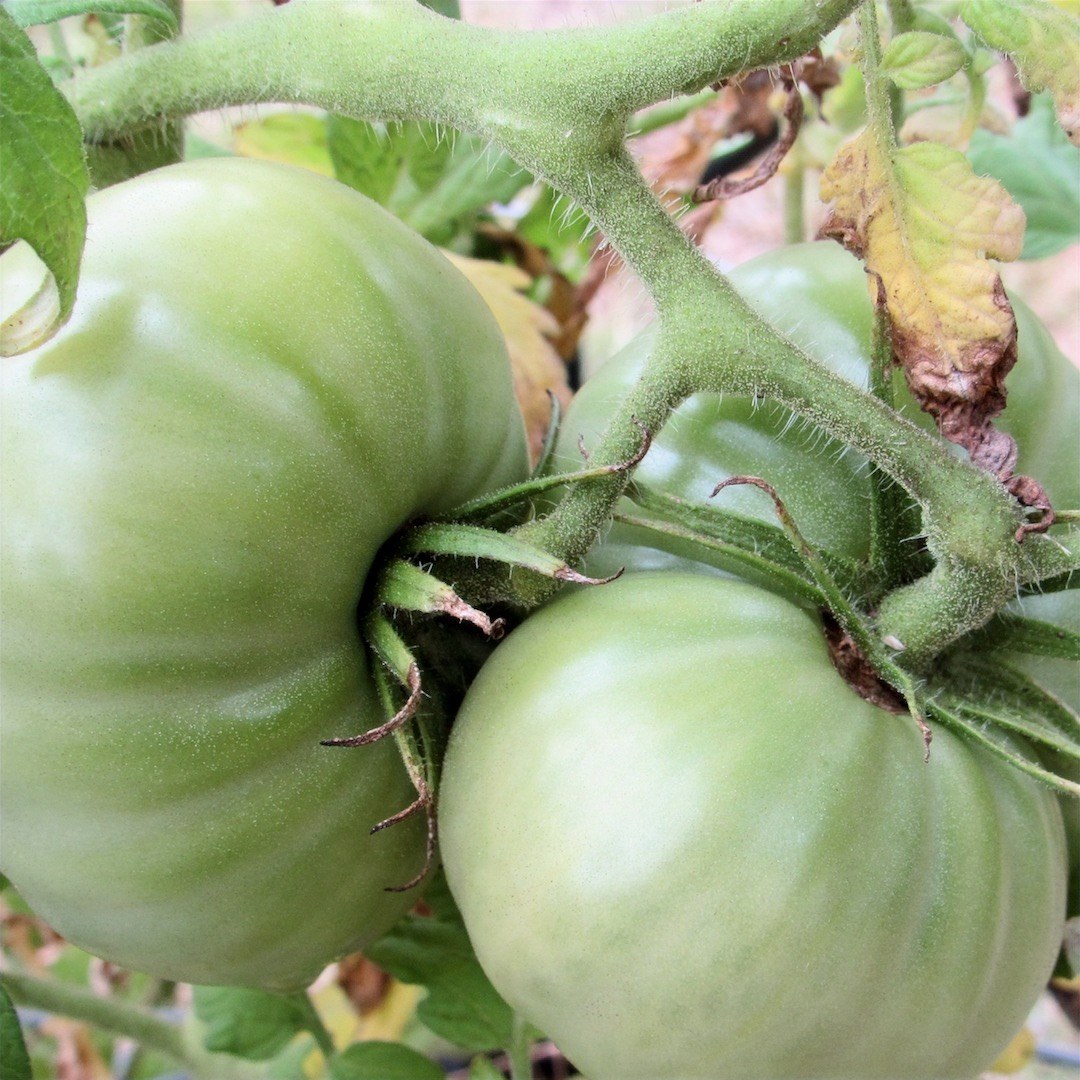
{"points": [[266, 375], [684, 847], [817, 295]]}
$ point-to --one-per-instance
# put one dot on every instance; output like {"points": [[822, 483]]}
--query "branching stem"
{"points": [[559, 103]]}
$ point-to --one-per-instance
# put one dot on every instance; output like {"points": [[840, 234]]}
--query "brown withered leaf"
{"points": [[566, 301], [529, 330], [927, 226], [726, 187], [364, 982]]}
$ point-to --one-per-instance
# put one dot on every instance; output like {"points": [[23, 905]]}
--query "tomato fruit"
{"points": [[817, 295], [684, 847], [266, 375]]}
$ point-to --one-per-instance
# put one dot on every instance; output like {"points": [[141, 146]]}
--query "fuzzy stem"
{"points": [[129, 1021], [106, 1013], [518, 1050], [795, 195]]}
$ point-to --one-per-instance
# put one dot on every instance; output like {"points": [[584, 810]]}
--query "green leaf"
{"points": [[919, 59], [481, 1068], [365, 156], [435, 951], [42, 199], [14, 1060], [562, 229], [289, 137], [250, 1023], [435, 181], [383, 1061], [450, 8], [1031, 636], [1038, 167], [33, 12], [1043, 40]]}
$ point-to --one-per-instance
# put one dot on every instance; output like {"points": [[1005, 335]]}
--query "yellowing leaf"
{"points": [[1043, 40], [528, 329], [926, 225], [1017, 1054], [291, 138]]}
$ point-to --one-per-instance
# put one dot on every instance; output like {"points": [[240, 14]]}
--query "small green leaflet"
{"points": [[42, 198], [1038, 166], [434, 180], [481, 1068], [450, 8], [434, 951], [251, 1024], [383, 1061], [919, 59], [14, 1060], [33, 12]]}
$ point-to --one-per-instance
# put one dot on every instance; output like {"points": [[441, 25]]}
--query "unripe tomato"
{"points": [[266, 375], [684, 847]]}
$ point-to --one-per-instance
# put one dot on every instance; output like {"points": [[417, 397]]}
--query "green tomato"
{"points": [[266, 375], [684, 847], [817, 295]]}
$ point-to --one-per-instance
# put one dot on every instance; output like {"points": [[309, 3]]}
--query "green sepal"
{"points": [[1001, 716], [995, 684], [999, 744], [1030, 636], [406, 587], [744, 540], [474, 542]]}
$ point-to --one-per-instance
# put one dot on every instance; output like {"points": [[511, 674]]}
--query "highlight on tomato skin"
{"points": [[683, 846], [265, 376]]}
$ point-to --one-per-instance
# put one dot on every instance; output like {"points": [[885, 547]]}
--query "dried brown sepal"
{"points": [[817, 73], [568, 573], [857, 671], [399, 719], [452, 604], [1030, 493], [365, 984], [426, 803], [727, 187]]}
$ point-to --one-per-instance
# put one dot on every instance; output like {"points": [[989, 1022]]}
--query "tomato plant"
{"points": [[198, 472], [684, 847], [260, 448]]}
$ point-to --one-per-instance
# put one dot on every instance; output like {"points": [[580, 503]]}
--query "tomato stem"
{"points": [[120, 1018]]}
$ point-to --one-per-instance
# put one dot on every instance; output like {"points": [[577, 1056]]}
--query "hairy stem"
{"points": [[106, 1013], [129, 1021]]}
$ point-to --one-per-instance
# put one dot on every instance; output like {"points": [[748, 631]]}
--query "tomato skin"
{"points": [[266, 375], [683, 847], [816, 293]]}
